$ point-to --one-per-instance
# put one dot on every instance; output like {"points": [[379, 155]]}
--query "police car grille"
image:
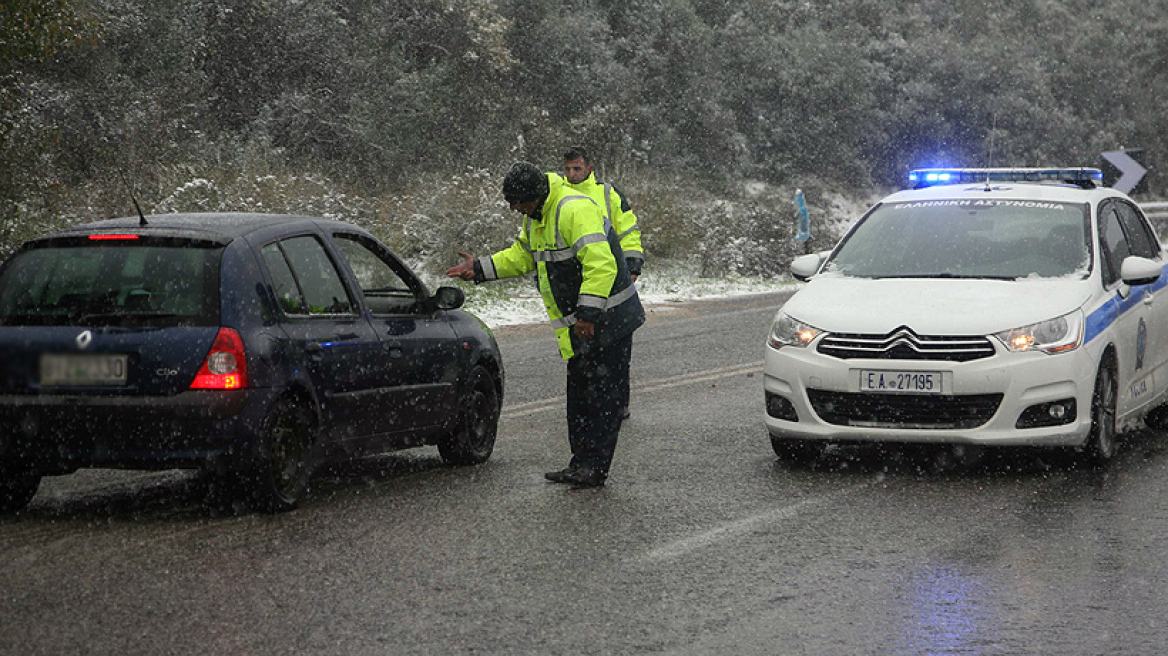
{"points": [[904, 344], [927, 411]]}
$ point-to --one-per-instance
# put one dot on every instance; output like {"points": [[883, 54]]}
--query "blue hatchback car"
{"points": [[254, 346]]}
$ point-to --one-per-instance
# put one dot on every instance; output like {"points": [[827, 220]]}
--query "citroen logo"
{"points": [[84, 339]]}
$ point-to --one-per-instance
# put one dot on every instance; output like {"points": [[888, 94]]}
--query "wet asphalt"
{"points": [[701, 543]]}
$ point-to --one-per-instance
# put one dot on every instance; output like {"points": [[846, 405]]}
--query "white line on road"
{"points": [[556, 402], [738, 527]]}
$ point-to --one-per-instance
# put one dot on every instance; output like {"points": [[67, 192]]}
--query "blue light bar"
{"points": [[1082, 176]]}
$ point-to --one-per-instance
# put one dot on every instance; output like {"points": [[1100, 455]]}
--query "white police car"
{"points": [[984, 306]]}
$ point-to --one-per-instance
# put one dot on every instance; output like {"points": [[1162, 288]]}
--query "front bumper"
{"points": [[982, 403]]}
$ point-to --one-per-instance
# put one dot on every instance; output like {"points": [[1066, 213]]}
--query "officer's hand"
{"points": [[584, 329], [464, 270], [635, 276]]}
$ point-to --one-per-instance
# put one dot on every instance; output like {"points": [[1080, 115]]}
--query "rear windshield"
{"points": [[115, 283]]}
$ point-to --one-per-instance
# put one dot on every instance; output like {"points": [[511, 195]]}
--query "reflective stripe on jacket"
{"points": [[575, 250]]}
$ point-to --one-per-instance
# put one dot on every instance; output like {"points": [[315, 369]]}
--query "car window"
{"points": [[138, 282], [287, 291], [306, 279], [386, 290], [1140, 237], [1114, 243]]}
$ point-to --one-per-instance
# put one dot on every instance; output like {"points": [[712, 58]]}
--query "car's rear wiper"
{"points": [[126, 315]]}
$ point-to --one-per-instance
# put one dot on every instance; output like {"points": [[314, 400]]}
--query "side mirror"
{"points": [[449, 298], [1137, 271], [805, 266]]}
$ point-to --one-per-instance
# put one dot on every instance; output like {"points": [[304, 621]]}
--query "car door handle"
{"points": [[314, 350], [395, 349]]}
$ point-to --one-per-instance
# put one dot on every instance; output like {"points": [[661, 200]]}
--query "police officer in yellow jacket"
{"points": [[580, 177], [590, 300]]}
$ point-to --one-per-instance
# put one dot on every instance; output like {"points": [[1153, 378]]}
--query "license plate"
{"points": [[908, 382], [83, 369]]}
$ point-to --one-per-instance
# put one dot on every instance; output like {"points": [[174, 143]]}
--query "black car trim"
{"points": [[193, 404]]}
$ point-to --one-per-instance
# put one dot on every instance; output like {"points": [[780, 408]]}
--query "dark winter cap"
{"points": [[524, 182]]}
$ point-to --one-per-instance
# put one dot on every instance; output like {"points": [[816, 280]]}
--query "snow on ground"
{"points": [[517, 301]]}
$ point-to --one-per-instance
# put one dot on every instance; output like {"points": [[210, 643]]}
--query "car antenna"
{"points": [[990, 160], [141, 217]]}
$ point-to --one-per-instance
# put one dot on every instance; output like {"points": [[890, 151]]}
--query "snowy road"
{"points": [[701, 544]]}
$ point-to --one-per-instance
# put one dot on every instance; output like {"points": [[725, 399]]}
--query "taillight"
{"points": [[225, 367]]}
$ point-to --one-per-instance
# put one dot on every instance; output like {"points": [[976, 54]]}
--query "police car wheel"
{"points": [[1101, 443], [1157, 418]]}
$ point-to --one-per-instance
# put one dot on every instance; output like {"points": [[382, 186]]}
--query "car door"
{"points": [[1154, 348], [418, 342], [327, 334], [1130, 330]]}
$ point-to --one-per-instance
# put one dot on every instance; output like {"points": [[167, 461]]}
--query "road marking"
{"points": [[739, 527], [557, 402]]}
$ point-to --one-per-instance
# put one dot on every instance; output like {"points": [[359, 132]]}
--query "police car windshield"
{"points": [[967, 238]]}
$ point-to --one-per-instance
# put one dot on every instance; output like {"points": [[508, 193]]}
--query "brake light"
{"points": [[112, 237], [225, 367]]}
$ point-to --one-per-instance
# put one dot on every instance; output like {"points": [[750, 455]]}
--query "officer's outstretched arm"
{"points": [[513, 261]]}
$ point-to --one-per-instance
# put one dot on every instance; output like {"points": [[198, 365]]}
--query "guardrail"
{"points": [[1155, 211]]}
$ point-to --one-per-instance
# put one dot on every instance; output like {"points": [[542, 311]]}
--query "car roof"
{"points": [[1036, 191], [222, 226]]}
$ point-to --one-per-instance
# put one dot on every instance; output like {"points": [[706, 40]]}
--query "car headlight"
{"points": [[1056, 335], [786, 331]]}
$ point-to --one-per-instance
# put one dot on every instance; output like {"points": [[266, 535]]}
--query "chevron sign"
{"points": [[1124, 173]]}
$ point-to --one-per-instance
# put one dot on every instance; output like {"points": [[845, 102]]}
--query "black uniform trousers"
{"points": [[598, 386]]}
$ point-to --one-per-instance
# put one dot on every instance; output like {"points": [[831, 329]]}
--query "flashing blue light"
{"points": [[1077, 175]]}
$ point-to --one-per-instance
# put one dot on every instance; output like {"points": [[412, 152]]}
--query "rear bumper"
{"points": [[65, 432]]}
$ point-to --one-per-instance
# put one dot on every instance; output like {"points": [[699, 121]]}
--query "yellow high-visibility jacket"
{"points": [[618, 210], [581, 275]]}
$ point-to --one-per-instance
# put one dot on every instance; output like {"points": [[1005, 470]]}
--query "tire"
{"points": [[277, 479], [1157, 419], [474, 439], [796, 451], [1101, 442], [17, 490]]}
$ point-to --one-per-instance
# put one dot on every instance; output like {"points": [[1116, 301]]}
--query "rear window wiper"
{"points": [[127, 315]]}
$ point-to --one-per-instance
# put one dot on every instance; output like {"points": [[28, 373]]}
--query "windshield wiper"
{"points": [[383, 290], [127, 315], [946, 276]]}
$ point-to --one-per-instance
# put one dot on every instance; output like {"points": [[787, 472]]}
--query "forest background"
{"points": [[403, 115]]}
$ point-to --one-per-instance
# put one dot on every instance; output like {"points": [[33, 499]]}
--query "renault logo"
{"points": [[84, 339]]}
